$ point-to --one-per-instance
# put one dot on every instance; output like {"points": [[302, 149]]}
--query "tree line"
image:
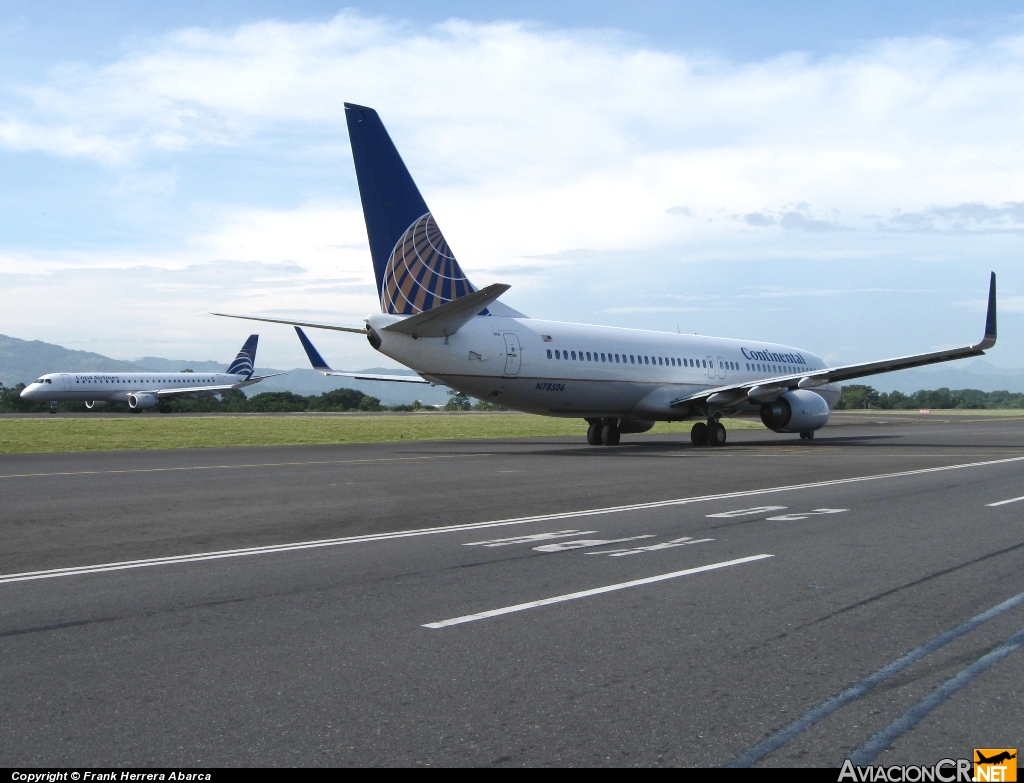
{"points": [[338, 400], [856, 396]]}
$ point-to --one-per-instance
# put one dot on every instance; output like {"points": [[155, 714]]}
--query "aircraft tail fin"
{"points": [[314, 355], [414, 267], [246, 359]]}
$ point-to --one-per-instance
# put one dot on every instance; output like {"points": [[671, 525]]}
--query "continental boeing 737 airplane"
{"points": [[143, 390], [436, 322]]}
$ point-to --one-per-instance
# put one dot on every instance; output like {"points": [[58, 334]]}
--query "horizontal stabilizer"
{"points": [[362, 376], [446, 319], [308, 324]]}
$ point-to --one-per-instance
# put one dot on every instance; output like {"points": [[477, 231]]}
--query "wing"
{"points": [[361, 376], [310, 324], [767, 389], [206, 391]]}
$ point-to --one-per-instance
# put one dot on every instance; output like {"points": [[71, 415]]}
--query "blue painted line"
{"points": [[905, 722], [819, 713]]}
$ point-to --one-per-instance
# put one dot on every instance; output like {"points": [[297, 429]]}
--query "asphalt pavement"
{"points": [[520, 602]]}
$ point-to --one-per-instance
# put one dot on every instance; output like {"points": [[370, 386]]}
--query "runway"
{"points": [[524, 602]]}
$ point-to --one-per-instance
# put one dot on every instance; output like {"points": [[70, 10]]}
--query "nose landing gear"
{"points": [[53, 408]]}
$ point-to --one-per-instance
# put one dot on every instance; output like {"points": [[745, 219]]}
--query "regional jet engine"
{"points": [[96, 405], [795, 411], [141, 401]]}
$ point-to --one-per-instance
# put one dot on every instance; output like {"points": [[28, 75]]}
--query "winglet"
{"points": [[314, 355], [990, 317]]}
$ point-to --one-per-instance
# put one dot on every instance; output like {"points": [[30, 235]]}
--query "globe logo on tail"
{"points": [[421, 273]]}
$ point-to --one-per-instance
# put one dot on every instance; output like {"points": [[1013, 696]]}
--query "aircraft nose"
{"points": [[26, 391]]}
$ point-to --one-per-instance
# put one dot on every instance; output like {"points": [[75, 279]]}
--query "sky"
{"points": [[836, 176]]}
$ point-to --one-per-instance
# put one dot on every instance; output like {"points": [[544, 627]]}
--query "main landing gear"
{"points": [[807, 435], [710, 434], [603, 434]]}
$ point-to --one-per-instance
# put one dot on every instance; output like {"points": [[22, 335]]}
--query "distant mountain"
{"points": [[22, 361]]}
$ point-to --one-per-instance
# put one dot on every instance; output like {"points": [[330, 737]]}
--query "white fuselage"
{"points": [[578, 370], [116, 387]]}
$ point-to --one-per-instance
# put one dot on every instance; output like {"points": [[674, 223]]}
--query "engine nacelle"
{"points": [[633, 426], [795, 411], [96, 405], [142, 400]]}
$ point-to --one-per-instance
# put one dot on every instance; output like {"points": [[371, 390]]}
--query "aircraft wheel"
{"points": [[165, 408], [716, 434], [699, 434], [53, 409], [594, 434], [806, 436], [610, 435]]}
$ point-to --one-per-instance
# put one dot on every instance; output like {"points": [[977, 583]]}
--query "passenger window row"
{"points": [[615, 358]]}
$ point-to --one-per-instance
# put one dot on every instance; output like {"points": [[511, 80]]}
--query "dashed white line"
{"points": [[469, 618], [1004, 502], [684, 541], [805, 514], [743, 512], [529, 539], [586, 543]]}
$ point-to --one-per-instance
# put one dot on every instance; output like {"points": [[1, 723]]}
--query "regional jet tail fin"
{"points": [[767, 389], [246, 359], [322, 367], [446, 319]]}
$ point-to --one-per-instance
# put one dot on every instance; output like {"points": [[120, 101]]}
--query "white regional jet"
{"points": [[143, 390], [619, 380]]}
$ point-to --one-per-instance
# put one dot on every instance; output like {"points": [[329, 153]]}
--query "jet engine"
{"points": [[630, 426], [141, 401], [795, 411], [96, 405]]}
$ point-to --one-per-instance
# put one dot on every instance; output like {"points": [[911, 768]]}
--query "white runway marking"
{"points": [[469, 618], [429, 531], [530, 539], [684, 541], [1004, 502], [805, 514], [242, 465], [742, 512], [586, 543]]}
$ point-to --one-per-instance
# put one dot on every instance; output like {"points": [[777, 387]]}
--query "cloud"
{"points": [[961, 219], [544, 154]]}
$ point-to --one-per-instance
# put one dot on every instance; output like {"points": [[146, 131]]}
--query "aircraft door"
{"points": [[711, 366], [65, 382], [721, 367], [512, 353]]}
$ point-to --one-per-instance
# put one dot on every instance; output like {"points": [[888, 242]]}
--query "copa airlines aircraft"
{"points": [[619, 380], [143, 390]]}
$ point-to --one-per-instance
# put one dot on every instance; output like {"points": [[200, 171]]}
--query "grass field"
{"points": [[82, 433]]}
